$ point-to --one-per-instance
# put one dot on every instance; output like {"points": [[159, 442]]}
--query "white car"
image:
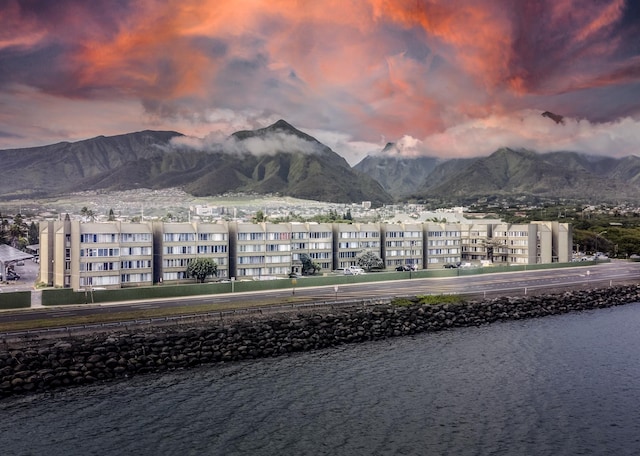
{"points": [[353, 270]]}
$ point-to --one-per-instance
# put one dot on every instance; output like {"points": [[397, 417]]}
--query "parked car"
{"points": [[450, 266], [404, 267], [353, 270], [11, 275]]}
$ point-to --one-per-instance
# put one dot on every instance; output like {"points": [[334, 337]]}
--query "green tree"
{"points": [[88, 213], [308, 266], [260, 217], [18, 233], [34, 234], [368, 260], [201, 268], [4, 230], [111, 216]]}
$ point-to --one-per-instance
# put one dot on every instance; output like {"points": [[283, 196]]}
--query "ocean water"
{"points": [[562, 385]]}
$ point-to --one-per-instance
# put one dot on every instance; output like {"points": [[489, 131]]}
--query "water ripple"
{"points": [[562, 385]]}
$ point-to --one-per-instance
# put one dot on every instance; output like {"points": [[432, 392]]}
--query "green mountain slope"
{"points": [[277, 159]]}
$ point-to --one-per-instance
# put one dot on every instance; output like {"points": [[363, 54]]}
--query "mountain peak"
{"points": [[281, 126], [388, 147]]}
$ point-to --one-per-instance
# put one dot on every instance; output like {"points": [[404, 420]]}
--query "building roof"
{"points": [[8, 254]]}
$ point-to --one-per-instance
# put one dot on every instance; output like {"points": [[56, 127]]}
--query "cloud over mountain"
{"points": [[445, 73]]}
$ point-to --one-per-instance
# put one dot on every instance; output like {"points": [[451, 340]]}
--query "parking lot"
{"points": [[28, 273]]}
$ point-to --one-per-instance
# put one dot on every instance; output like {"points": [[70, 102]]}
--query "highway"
{"points": [[488, 284]]}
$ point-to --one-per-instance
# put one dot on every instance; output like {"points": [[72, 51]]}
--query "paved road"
{"points": [[28, 273], [512, 283]]}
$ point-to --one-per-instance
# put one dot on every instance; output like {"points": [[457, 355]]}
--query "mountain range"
{"points": [[280, 159], [276, 159], [509, 173]]}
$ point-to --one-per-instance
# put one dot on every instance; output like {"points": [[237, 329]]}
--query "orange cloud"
{"points": [[374, 67]]}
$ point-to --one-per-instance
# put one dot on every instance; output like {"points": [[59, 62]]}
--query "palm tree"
{"points": [[88, 214]]}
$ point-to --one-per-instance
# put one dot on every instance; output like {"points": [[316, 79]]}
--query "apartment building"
{"points": [[314, 240], [402, 245], [119, 254], [90, 255], [518, 244], [213, 242], [515, 244], [444, 244], [176, 244], [351, 239], [557, 242], [260, 250], [475, 240]]}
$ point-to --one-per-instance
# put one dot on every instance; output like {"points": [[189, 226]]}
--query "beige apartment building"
{"points": [[351, 239], [556, 241], [517, 244], [175, 244], [444, 244], [96, 255], [402, 245], [260, 250], [475, 239], [314, 240], [121, 254]]}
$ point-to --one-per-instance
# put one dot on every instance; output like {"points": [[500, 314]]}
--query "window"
{"points": [[133, 278], [251, 260], [108, 266], [99, 280], [175, 262], [212, 236], [320, 245], [135, 264], [278, 236], [179, 237], [99, 252], [135, 251], [278, 259], [135, 237], [174, 275], [251, 248], [179, 250], [278, 247], [102, 238]]}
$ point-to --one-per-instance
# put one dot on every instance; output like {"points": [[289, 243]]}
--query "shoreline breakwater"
{"points": [[37, 365]]}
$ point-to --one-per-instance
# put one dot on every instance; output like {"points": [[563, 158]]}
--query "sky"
{"points": [[446, 78]]}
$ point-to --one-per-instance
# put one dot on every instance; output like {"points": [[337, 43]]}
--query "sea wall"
{"points": [[41, 365]]}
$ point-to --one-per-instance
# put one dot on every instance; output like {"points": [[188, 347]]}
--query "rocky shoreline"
{"points": [[39, 365]]}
